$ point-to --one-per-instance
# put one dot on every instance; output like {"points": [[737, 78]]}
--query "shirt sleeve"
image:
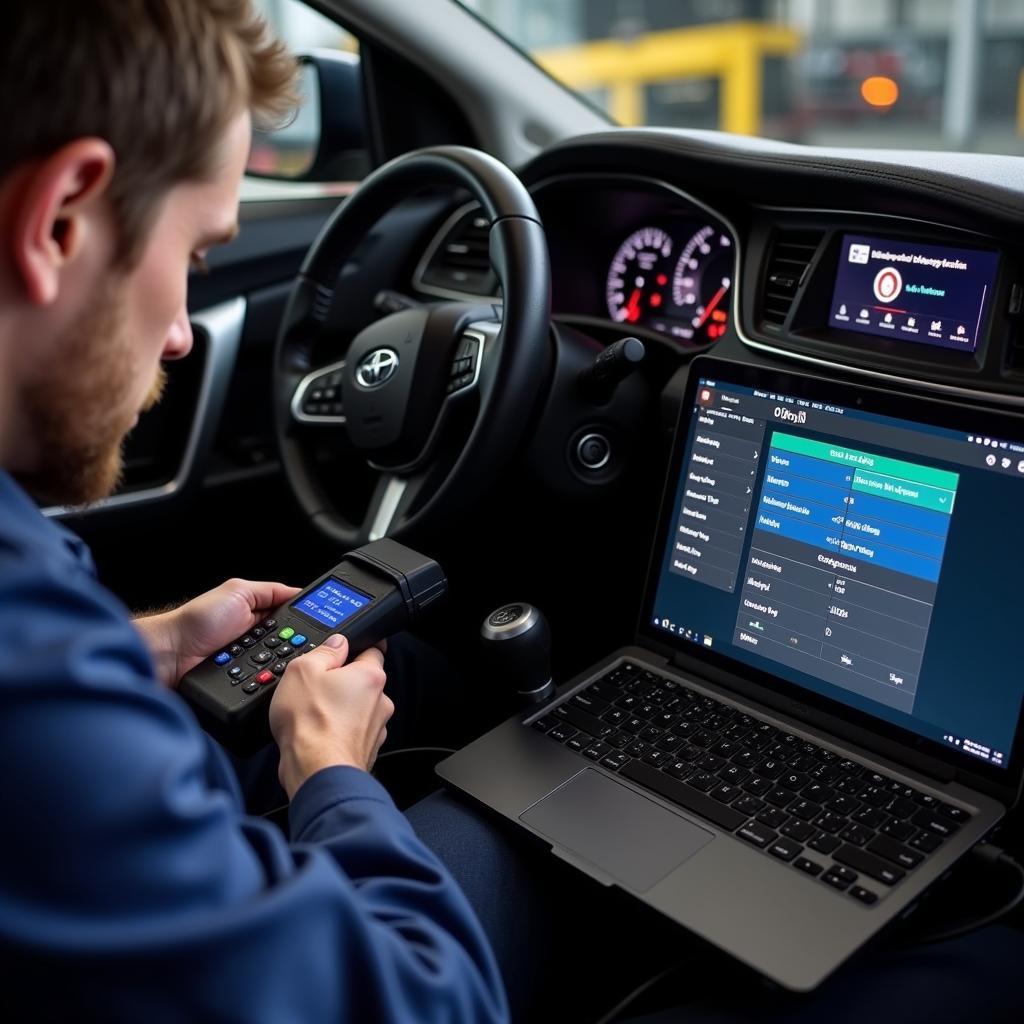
{"points": [[131, 886]]}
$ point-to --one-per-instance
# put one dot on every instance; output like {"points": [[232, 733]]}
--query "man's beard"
{"points": [[78, 414]]}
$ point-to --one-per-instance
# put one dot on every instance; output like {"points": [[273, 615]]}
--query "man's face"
{"points": [[107, 368]]}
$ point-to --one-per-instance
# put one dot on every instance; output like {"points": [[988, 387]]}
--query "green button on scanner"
{"points": [[287, 633]]}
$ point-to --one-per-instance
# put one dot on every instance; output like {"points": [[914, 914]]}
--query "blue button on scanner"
{"points": [[223, 658], [298, 640]]}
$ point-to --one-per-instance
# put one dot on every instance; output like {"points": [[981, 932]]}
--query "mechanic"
{"points": [[132, 884]]}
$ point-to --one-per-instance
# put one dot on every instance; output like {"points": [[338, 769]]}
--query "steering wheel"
{"points": [[411, 380]]}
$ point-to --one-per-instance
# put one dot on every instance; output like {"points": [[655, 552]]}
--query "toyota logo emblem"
{"points": [[377, 368]]}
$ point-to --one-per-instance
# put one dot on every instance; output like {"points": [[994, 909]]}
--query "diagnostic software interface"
{"points": [[868, 558]]}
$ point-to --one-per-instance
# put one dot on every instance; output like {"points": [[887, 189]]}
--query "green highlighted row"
{"points": [[869, 464]]}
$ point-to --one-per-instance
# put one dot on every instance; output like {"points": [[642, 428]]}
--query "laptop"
{"points": [[821, 710]]}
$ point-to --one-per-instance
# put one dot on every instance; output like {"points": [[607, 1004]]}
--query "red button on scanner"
{"points": [[266, 676]]}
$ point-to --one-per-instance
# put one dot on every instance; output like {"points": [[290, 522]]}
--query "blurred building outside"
{"points": [[930, 74], [935, 74]]}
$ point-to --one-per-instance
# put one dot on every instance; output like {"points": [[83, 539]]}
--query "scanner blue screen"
{"points": [[332, 602]]}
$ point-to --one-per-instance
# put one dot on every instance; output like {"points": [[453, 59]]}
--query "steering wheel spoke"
{"points": [[387, 496], [317, 397]]}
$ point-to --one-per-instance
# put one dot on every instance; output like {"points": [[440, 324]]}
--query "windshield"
{"points": [[931, 74]]}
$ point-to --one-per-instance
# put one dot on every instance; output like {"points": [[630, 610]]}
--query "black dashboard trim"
{"points": [[935, 171]]}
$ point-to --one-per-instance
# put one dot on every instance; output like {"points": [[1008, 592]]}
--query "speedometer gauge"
{"points": [[700, 285], [638, 277]]}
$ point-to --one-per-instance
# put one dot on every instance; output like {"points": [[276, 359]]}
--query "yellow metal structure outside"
{"points": [[732, 52], [1020, 103]]}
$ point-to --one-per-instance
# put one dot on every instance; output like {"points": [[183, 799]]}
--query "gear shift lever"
{"points": [[516, 645]]}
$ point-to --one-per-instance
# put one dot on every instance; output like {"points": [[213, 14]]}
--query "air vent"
{"points": [[788, 259], [1015, 349], [460, 262]]}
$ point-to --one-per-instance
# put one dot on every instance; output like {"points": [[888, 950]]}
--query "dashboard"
{"points": [[912, 299]]}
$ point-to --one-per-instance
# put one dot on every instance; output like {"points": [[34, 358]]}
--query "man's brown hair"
{"points": [[159, 80]]}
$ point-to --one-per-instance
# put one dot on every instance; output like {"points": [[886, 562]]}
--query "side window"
{"points": [[290, 151]]}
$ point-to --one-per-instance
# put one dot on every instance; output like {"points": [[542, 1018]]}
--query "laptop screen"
{"points": [[860, 545]]}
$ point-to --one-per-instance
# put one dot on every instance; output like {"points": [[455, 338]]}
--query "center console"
{"points": [[890, 297]]}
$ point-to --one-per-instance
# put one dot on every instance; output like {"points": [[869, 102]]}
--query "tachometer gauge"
{"points": [[700, 285], [637, 282]]}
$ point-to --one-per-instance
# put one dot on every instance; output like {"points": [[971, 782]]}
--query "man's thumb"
{"points": [[335, 647]]}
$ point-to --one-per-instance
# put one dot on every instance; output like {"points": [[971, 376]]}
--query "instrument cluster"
{"points": [[640, 254], [672, 283]]}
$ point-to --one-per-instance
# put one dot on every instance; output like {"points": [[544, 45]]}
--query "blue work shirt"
{"points": [[132, 884]]}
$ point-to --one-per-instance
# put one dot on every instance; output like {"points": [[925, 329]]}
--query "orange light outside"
{"points": [[879, 91]]}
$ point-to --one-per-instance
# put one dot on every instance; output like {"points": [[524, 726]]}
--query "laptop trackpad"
{"points": [[629, 837]]}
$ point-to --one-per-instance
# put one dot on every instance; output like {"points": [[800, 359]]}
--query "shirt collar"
{"points": [[17, 506]]}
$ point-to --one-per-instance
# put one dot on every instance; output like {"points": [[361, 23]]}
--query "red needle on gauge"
{"points": [[709, 308], [633, 306]]}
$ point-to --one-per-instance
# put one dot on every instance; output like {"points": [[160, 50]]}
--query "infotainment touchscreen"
{"points": [[907, 291], [861, 549]]}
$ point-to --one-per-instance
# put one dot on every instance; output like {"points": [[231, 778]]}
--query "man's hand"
{"points": [[327, 713], [180, 639]]}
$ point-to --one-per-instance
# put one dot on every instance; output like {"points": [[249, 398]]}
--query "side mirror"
{"points": [[327, 139]]}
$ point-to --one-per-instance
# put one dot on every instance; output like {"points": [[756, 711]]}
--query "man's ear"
{"points": [[56, 212]]}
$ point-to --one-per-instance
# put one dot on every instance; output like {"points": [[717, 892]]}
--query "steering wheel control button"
{"points": [[287, 633], [593, 451], [463, 371], [222, 659], [298, 640], [317, 397]]}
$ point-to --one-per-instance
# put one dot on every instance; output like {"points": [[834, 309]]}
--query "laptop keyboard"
{"points": [[833, 819]]}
